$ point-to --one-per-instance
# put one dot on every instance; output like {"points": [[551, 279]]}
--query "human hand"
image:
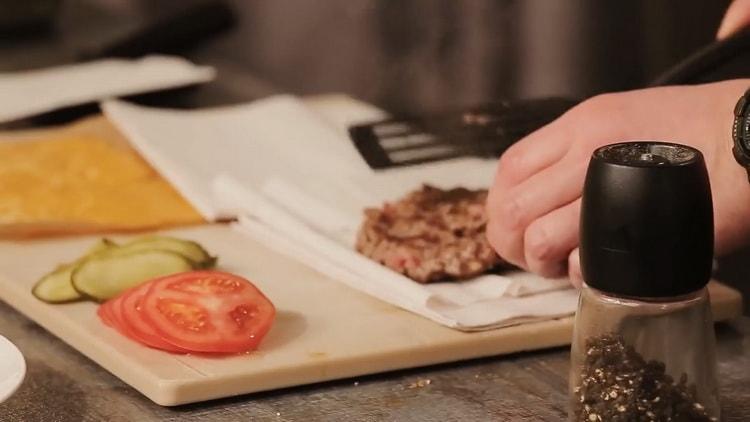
{"points": [[736, 18], [534, 203]]}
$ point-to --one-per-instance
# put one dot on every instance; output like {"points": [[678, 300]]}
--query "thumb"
{"points": [[574, 269], [736, 18]]}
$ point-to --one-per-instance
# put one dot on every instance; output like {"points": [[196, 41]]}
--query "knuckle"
{"points": [[542, 253], [599, 102], [510, 162], [502, 241], [602, 105], [493, 202], [510, 213], [538, 245], [495, 237], [595, 122]]}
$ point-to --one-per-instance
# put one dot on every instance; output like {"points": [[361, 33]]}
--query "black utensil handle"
{"points": [[725, 59]]}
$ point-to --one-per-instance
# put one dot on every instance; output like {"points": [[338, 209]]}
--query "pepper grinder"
{"points": [[643, 342]]}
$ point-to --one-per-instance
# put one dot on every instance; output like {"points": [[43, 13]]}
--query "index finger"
{"points": [[533, 154]]}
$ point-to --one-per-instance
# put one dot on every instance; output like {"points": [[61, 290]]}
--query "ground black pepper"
{"points": [[617, 384]]}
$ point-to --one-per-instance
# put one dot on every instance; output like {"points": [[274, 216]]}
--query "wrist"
{"points": [[741, 132]]}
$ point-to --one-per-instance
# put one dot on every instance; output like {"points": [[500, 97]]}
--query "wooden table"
{"points": [[62, 385]]}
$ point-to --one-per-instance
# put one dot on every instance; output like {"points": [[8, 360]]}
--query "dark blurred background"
{"points": [[399, 54]]}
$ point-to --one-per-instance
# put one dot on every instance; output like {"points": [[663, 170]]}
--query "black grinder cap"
{"points": [[646, 220]]}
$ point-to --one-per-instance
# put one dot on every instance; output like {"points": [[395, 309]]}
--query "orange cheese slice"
{"points": [[82, 179]]}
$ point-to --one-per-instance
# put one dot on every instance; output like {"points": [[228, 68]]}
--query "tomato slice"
{"points": [[208, 311], [136, 325], [113, 311], [103, 312]]}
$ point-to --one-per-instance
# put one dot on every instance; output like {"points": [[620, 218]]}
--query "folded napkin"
{"points": [[32, 92], [290, 174]]}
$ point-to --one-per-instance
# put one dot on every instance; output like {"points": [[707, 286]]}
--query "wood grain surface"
{"points": [[64, 386], [324, 330]]}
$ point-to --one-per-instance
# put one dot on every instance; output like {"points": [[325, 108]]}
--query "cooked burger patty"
{"points": [[430, 235]]}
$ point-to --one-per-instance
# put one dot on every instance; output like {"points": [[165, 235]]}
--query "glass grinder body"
{"points": [[643, 343]]}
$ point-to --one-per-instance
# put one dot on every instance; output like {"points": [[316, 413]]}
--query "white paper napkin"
{"points": [[28, 93], [300, 186]]}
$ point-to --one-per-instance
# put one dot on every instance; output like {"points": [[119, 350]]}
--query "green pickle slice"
{"points": [[108, 268], [187, 248], [109, 273], [56, 287]]}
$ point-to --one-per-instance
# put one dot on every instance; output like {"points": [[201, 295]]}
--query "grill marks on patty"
{"points": [[430, 235]]}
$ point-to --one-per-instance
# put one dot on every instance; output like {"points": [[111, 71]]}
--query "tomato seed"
{"points": [[242, 314], [189, 317]]}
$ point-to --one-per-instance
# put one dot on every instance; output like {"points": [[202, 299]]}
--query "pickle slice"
{"points": [[105, 275], [104, 256], [97, 247], [187, 248], [56, 287]]}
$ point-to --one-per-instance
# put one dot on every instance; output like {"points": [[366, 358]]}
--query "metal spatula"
{"points": [[485, 131], [489, 130]]}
